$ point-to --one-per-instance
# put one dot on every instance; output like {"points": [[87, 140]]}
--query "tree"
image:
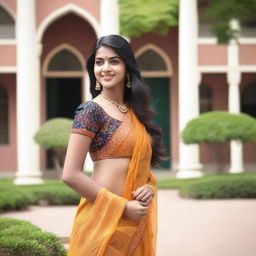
{"points": [[216, 127], [220, 13], [145, 16], [54, 135]]}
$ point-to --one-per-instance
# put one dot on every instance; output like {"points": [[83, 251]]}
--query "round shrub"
{"points": [[21, 238], [54, 133], [220, 126], [221, 187]]}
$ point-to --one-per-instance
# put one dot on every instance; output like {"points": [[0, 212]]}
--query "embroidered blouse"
{"points": [[107, 133]]}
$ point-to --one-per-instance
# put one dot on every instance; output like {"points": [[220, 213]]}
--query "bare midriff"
{"points": [[111, 173]]}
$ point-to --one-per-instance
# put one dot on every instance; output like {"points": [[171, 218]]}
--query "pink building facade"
{"points": [[43, 49]]}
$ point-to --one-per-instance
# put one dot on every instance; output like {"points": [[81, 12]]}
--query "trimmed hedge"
{"points": [[14, 197], [21, 238], [233, 186]]}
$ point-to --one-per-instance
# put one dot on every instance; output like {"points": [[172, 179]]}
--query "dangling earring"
{"points": [[128, 82], [97, 87]]}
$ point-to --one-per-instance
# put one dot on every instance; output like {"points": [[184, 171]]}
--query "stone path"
{"points": [[186, 227]]}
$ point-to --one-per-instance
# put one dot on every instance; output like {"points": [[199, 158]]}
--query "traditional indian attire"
{"points": [[99, 228]]}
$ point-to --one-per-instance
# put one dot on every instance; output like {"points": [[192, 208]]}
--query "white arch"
{"points": [[63, 11], [160, 52], [59, 48], [8, 10]]}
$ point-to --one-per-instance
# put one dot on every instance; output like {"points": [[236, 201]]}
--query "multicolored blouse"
{"points": [[107, 133]]}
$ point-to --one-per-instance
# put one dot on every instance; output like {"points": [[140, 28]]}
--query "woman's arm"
{"points": [[73, 175]]}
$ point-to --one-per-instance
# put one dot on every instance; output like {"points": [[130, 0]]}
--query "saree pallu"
{"points": [[99, 228]]}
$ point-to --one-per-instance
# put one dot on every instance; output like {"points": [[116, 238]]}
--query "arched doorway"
{"points": [[156, 72], [63, 71], [7, 25]]}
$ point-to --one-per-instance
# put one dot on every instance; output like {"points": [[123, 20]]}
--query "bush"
{"points": [[14, 197], [54, 135], [21, 238], [220, 126], [226, 186], [216, 127]]}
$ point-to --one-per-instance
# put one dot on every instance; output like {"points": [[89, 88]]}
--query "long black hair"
{"points": [[137, 96]]}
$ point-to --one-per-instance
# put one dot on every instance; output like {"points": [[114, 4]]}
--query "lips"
{"points": [[107, 77]]}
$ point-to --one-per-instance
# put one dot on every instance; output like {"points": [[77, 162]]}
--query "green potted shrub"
{"points": [[54, 135], [216, 127]]}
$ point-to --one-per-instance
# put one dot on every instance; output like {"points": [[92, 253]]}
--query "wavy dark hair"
{"points": [[137, 96]]}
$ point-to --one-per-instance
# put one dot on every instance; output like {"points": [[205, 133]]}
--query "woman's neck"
{"points": [[114, 94]]}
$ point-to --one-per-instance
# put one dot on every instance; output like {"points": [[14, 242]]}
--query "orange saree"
{"points": [[99, 228]]}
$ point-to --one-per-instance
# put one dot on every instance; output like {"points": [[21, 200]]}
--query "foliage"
{"points": [[222, 12], [14, 197], [144, 16], [216, 127], [220, 126], [22, 238], [242, 185], [54, 133], [232, 186]]}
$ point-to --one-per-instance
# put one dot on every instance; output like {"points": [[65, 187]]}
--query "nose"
{"points": [[106, 66]]}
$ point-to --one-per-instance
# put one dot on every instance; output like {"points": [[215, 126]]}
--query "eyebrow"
{"points": [[113, 57]]}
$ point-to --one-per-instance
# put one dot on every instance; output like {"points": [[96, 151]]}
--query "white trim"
{"points": [[207, 40], [8, 41], [8, 69], [213, 40], [247, 40], [53, 52], [247, 69], [161, 53], [61, 12], [213, 69]]}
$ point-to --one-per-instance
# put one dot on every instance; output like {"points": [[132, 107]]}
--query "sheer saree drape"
{"points": [[99, 228]]}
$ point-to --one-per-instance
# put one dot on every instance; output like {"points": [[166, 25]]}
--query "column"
{"points": [[189, 165], [109, 17], [28, 100], [234, 79]]}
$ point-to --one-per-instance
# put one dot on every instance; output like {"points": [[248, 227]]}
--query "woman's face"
{"points": [[109, 68]]}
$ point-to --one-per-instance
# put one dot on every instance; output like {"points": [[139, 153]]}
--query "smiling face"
{"points": [[109, 68]]}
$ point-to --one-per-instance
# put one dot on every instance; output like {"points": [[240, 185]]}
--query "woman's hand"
{"points": [[144, 195], [134, 210]]}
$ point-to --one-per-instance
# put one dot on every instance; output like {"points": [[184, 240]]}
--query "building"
{"points": [[43, 47]]}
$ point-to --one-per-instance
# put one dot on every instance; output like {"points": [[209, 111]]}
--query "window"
{"points": [[151, 61], [7, 25], [205, 93], [249, 100], [3, 116], [64, 61]]}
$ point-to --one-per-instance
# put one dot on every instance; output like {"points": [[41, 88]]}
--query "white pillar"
{"points": [[189, 165], [28, 100], [234, 79], [109, 17]]}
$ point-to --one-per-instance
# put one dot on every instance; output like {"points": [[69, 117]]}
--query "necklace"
{"points": [[121, 107]]}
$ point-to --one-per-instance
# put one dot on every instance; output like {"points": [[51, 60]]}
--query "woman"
{"points": [[117, 212]]}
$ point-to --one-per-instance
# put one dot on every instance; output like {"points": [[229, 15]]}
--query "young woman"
{"points": [[117, 213]]}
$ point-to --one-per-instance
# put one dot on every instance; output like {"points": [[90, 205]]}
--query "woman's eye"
{"points": [[114, 62], [98, 62]]}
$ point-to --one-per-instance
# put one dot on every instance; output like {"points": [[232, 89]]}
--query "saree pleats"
{"points": [[99, 228]]}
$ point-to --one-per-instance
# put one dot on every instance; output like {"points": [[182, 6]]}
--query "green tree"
{"points": [[144, 16], [221, 12], [216, 127], [54, 135]]}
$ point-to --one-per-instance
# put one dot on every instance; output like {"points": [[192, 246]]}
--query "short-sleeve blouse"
{"points": [[91, 120]]}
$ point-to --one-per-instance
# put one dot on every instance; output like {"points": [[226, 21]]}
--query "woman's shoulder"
{"points": [[89, 107]]}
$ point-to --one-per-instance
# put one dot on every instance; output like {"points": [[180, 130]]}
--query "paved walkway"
{"points": [[186, 227]]}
